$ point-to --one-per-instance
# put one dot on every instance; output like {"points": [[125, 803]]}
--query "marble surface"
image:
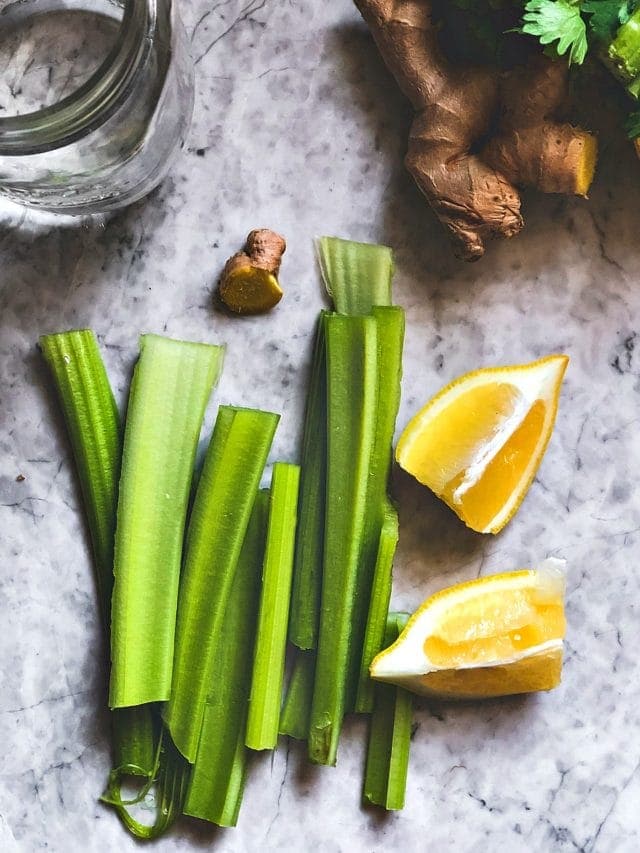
{"points": [[299, 127]]}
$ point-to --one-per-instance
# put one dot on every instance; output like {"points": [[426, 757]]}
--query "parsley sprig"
{"points": [[570, 25]]}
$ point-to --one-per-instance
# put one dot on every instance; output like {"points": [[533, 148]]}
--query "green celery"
{"points": [[307, 572], [352, 370], [357, 275], [296, 711], [390, 337], [273, 619], [623, 53], [378, 607], [389, 736], [217, 781], [224, 499], [134, 740], [170, 788], [93, 425], [170, 388]]}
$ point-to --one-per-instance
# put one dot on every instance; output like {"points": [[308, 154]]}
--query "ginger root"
{"points": [[529, 148], [249, 281], [472, 192]]}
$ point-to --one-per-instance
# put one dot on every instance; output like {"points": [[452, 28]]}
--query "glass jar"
{"points": [[109, 142]]}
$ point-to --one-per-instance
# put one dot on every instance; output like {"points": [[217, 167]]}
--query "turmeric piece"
{"points": [[473, 192], [249, 282]]}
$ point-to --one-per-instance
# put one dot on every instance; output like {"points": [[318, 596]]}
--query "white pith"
{"points": [[407, 658], [535, 382]]}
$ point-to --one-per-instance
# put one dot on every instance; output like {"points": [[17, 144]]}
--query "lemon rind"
{"points": [[548, 575], [538, 380]]}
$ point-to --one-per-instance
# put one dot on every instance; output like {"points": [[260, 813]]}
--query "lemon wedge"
{"points": [[495, 636], [479, 442]]}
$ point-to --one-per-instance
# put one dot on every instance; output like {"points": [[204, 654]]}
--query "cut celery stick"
{"points": [[357, 275], [134, 740], [296, 711], [307, 572], [224, 499], [390, 337], [170, 388], [217, 780], [273, 619], [352, 369], [389, 736], [378, 607], [170, 791], [93, 424]]}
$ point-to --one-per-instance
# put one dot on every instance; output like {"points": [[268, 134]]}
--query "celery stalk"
{"points": [[352, 369], [390, 337], [357, 275], [224, 499], [170, 388], [170, 790], [389, 736], [217, 781], [378, 607], [296, 711], [93, 424], [273, 619], [134, 740], [307, 573], [623, 53]]}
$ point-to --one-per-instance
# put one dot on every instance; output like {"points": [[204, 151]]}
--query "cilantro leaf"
{"points": [[632, 124], [557, 20], [606, 16]]}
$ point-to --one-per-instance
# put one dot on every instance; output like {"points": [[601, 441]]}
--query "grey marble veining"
{"points": [[299, 127]]}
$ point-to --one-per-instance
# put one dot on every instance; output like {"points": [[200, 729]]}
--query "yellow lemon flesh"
{"points": [[495, 636], [479, 442]]}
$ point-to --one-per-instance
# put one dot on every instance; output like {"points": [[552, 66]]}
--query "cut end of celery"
{"points": [[323, 744], [296, 711], [389, 736], [357, 275]]}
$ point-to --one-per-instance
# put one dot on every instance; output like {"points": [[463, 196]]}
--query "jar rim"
{"points": [[91, 104]]}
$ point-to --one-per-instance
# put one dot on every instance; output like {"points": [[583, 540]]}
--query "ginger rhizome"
{"points": [[249, 282], [473, 187]]}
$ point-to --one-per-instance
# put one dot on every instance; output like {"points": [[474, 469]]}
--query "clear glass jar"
{"points": [[109, 142]]}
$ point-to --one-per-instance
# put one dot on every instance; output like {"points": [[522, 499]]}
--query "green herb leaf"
{"points": [[632, 124], [557, 21], [605, 16]]}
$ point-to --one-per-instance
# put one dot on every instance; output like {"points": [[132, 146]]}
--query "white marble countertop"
{"points": [[299, 127]]}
